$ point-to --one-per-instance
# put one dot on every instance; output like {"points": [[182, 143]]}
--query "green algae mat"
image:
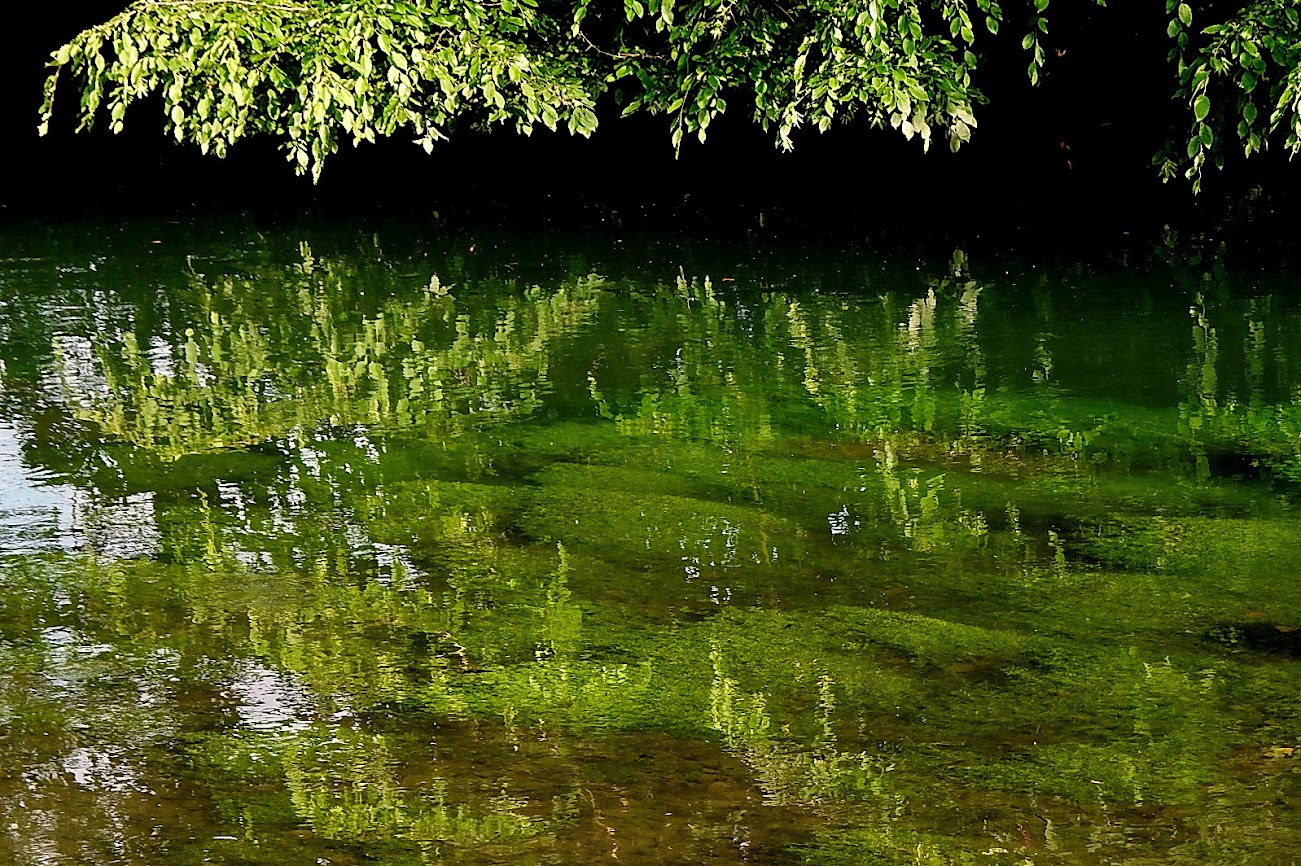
{"points": [[338, 547]]}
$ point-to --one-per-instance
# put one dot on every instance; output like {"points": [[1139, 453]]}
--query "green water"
{"points": [[324, 546]]}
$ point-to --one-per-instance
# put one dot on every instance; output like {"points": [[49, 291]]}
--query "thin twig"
{"points": [[622, 55]]}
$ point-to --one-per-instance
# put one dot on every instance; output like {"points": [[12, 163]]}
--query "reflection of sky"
{"points": [[39, 515], [34, 515], [271, 701]]}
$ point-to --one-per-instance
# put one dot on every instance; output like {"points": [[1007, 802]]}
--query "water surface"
{"points": [[336, 546]]}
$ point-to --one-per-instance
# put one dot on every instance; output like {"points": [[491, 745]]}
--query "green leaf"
{"points": [[1201, 107], [582, 121], [1186, 14]]}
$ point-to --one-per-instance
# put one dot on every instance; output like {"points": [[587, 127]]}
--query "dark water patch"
{"points": [[1257, 636]]}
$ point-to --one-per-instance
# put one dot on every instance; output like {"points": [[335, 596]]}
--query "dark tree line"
{"points": [[1042, 104]]}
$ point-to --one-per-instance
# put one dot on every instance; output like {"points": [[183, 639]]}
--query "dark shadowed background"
{"points": [[1069, 160]]}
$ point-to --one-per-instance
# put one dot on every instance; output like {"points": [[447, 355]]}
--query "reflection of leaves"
{"points": [[345, 784], [418, 361], [788, 773], [276, 353], [794, 526]]}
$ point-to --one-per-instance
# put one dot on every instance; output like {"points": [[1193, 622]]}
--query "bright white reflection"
{"points": [[272, 701], [34, 516]]}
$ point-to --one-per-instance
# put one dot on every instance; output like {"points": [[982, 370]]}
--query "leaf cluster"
{"points": [[315, 73], [1240, 76], [904, 63]]}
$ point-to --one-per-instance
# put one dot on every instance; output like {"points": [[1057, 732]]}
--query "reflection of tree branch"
{"points": [[600, 822]]}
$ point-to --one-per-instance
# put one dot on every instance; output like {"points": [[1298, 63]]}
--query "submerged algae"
{"points": [[367, 565]]}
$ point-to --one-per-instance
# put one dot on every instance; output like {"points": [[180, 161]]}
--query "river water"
{"points": [[348, 545]]}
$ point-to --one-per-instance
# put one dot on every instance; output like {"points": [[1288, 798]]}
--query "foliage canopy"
{"points": [[312, 73]]}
